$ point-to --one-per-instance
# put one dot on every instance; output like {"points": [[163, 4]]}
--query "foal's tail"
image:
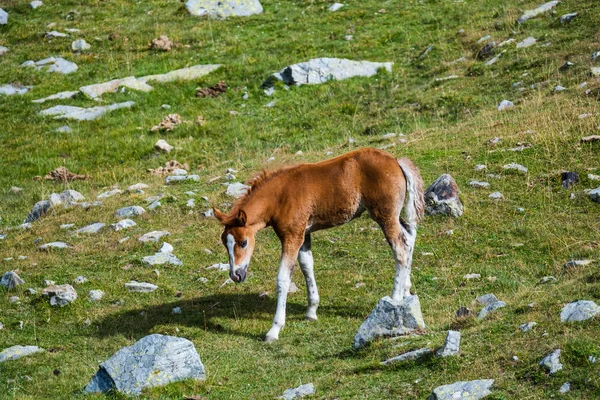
{"points": [[415, 203]]}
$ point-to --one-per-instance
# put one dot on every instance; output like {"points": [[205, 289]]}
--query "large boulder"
{"points": [[154, 360], [442, 197], [469, 390], [223, 8], [391, 318], [321, 70]]}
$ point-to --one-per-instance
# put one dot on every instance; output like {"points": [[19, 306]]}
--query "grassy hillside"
{"points": [[448, 125]]}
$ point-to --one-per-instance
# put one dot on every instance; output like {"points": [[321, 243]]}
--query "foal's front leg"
{"points": [[305, 259], [284, 278]]}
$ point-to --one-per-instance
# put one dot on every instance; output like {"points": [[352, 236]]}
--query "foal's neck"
{"points": [[260, 207]]}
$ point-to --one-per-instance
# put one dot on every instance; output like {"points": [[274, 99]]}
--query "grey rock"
{"points": [[307, 389], [442, 197], [595, 71], [25, 226], [35, 4], [486, 51], [566, 66], [39, 210], [191, 203], [60, 295], [141, 287], [183, 74], [527, 326], [537, 11], [80, 280], [181, 178], [153, 236], [321, 70], [496, 196], [270, 104], [547, 279], [166, 248], [527, 42], [3, 50], [128, 212], [51, 64], [472, 276], [451, 345], [96, 90], [565, 388], [180, 172], [479, 185], [551, 362], [14, 299], [559, 88], [223, 9], [505, 105], [109, 193], [123, 224], [154, 360], [569, 179], [3, 17], [91, 229], [11, 280], [489, 308], [410, 356], [594, 194], [466, 390], [176, 310], [96, 295], [80, 45], [63, 129], [566, 18], [156, 204], [55, 34], [57, 96], [577, 263], [219, 267], [83, 114], [270, 91], [391, 318], [16, 352], [161, 258], [579, 311], [137, 187], [10, 90], [54, 245], [335, 7], [516, 167], [162, 145], [238, 189]]}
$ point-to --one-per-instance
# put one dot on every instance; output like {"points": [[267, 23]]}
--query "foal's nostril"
{"points": [[241, 274]]}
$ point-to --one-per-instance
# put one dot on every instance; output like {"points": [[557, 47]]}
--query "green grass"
{"points": [[447, 126]]}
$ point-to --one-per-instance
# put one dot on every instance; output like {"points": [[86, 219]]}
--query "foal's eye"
{"points": [[243, 243]]}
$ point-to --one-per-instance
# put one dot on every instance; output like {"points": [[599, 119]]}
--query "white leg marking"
{"points": [[230, 246], [284, 278], [305, 259]]}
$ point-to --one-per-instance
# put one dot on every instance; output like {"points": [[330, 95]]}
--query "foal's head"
{"points": [[238, 239]]}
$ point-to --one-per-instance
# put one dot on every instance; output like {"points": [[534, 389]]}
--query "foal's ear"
{"points": [[241, 218], [219, 215]]}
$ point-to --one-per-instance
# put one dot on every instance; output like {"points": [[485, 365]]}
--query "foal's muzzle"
{"points": [[239, 275]]}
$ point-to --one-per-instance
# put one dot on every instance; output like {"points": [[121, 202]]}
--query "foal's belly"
{"points": [[337, 218]]}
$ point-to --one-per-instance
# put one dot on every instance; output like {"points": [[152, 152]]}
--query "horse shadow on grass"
{"points": [[215, 313]]}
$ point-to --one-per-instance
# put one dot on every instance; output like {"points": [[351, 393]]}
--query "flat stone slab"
{"points": [[442, 197], [109, 193], [515, 167], [390, 318], [16, 352], [83, 114], [321, 70], [52, 64], [153, 236], [579, 311], [526, 327], [551, 362], [96, 91], [91, 229], [223, 8], [307, 389], [537, 11], [128, 212], [141, 287], [183, 74], [161, 258], [154, 360], [54, 245], [466, 390], [60, 295], [57, 96], [11, 90], [236, 189], [181, 178], [410, 356]]}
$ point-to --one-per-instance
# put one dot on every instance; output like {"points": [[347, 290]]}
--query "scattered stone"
{"points": [[128, 212], [162, 257], [467, 390], [96, 90], [486, 51], [3, 17], [223, 9], [55, 34], [321, 70], [569, 179], [463, 312], [425, 52], [578, 263], [527, 42], [505, 105], [495, 59], [80, 280], [14, 299], [301, 391], [491, 303], [566, 66], [11, 280], [55, 245], [479, 185], [593, 177], [138, 187], [35, 4], [57, 96], [176, 310], [219, 267], [60, 295], [270, 91], [547, 279], [472, 276], [153, 236], [123, 224], [237, 189], [181, 178], [162, 43], [559, 88], [551, 362], [537, 11], [335, 7], [213, 91], [3, 50], [566, 18], [442, 197], [506, 42], [496, 196], [167, 124], [516, 167], [451, 345], [154, 360], [141, 287], [83, 114], [579, 311], [11, 90], [16, 352], [93, 228], [162, 145], [270, 104], [121, 241], [170, 168], [59, 65], [410, 356], [109, 193], [80, 45], [566, 387], [96, 295], [183, 74], [191, 203], [527, 326], [391, 318]]}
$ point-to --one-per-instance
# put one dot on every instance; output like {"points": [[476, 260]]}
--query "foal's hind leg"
{"points": [[395, 234], [305, 259]]}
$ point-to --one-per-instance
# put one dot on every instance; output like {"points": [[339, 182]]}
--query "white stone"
{"points": [[35, 4], [451, 345], [552, 362], [153, 236], [3, 17], [96, 295], [137, 187], [141, 287], [579, 311], [16, 352], [496, 196], [10, 90], [527, 42], [55, 34], [128, 212], [60, 295], [54, 245], [335, 6], [83, 114], [93, 228], [479, 185], [301, 391], [80, 45], [123, 224], [162, 145], [505, 105], [537, 11], [184, 74], [57, 96], [109, 193], [3, 50], [223, 8], [181, 178], [527, 326], [516, 167]]}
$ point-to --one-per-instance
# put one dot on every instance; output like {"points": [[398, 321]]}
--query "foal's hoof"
{"points": [[270, 339], [311, 318]]}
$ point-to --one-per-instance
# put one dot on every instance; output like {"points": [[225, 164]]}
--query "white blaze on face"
{"points": [[230, 246]]}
